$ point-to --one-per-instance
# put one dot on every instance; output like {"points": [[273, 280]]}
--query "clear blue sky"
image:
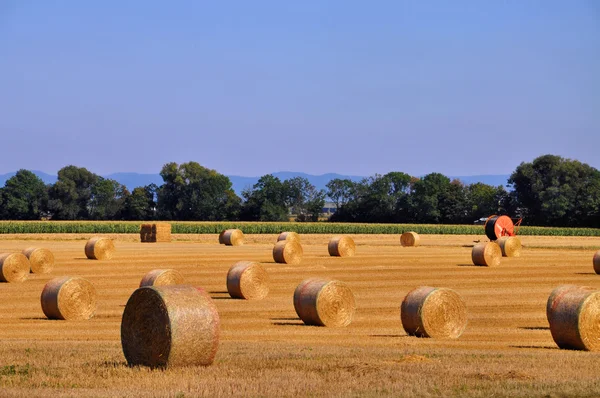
{"points": [[254, 87]]}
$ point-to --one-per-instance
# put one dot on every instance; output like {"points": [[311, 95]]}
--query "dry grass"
{"points": [[266, 350]]}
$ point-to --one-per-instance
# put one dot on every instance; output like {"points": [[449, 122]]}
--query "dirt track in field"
{"points": [[506, 347]]}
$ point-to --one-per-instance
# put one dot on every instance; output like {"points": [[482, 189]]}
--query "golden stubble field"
{"points": [[265, 350]]}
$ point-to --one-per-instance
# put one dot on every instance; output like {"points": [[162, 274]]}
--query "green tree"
{"points": [[141, 205], [69, 197], [303, 199], [23, 197], [193, 192], [107, 200], [426, 196], [266, 201], [340, 191], [484, 200], [555, 191]]}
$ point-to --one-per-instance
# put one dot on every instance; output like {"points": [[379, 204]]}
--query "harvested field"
{"points": [[266, 350]]}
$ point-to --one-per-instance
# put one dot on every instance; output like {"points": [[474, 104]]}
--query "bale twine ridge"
{"points": [[162, 277], [288, 252], [433, 312], [169, 326], [324, 302], [341, 246], [247, 280], [14, 267], [408, 239], [41, 260], [69, 298], [486, 254], [99, 248], [510, 246]]}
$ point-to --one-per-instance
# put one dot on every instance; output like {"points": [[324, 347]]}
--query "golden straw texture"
{"points": [[288, 236], [99, 248], [288, 252], [341, 246], [486, 254], [409, 239], [233, 237], [169, 326], [596, 262], [433, 312], [162, 277], [69, 298], [574, 318], [247, 280], [40, 259], [14, 267], [510, 246], [324, 302]]}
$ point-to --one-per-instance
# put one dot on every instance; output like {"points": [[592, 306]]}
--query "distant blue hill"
{"points": [[239, 183]]}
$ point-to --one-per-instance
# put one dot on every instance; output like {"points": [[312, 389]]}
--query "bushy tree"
{"points": [[69, 197], [24, 197], [107, 200], [266, 201], [141, 205]]}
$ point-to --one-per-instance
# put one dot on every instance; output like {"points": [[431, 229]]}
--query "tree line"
{"points": [[550, 191]]}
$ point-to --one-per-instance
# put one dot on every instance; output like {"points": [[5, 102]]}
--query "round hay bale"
{"points": [[69, 298], [221, 235], [288, 252], [288, 236], [486, 254], [162, 277], [14, 267], [168, 326], [99, 248], [557, 294], [409, 239], [433, 312], [247, 280], [233, 237], [324, 302], [40, 259], [510, 246], [596, 261], [341, 246], [574, 318]]}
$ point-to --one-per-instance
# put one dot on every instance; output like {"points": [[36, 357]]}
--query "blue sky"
{"points": [[249, 88]]}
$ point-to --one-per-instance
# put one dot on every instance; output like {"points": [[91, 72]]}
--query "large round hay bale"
{"points": [[41, 260], [409, 239], [341, 246], [596, 261], [324, 302], [14, 267], [69, 298], [247, 280], [574, 319], [557, 294], [487, 254], [510, 246], [99, 248], [433, 312], [288, 252], [233, 237], [168, 326], [288, 236], [162, 277], [221, 235]]}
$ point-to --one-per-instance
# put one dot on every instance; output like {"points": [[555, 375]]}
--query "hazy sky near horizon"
{"points": [[250, 88]]}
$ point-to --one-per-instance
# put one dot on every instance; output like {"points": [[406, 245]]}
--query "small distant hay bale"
{"points": [[157, 232], [247, 280], [99, 248], [433, 312], [510, 246], [162, 277], [288, 252], [14, 267], [233, 237], [596, 262], [221, 237], [288, 236], [69, 298], [409, 239], [341, 246], [40, 259], [169, 326], [573, 318], [486, 254], [324, 302]]}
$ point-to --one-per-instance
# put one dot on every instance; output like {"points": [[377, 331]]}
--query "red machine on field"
{"points": [[499, 226]]}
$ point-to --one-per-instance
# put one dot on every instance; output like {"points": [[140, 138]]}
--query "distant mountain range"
{"points": [[133, 180]]}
